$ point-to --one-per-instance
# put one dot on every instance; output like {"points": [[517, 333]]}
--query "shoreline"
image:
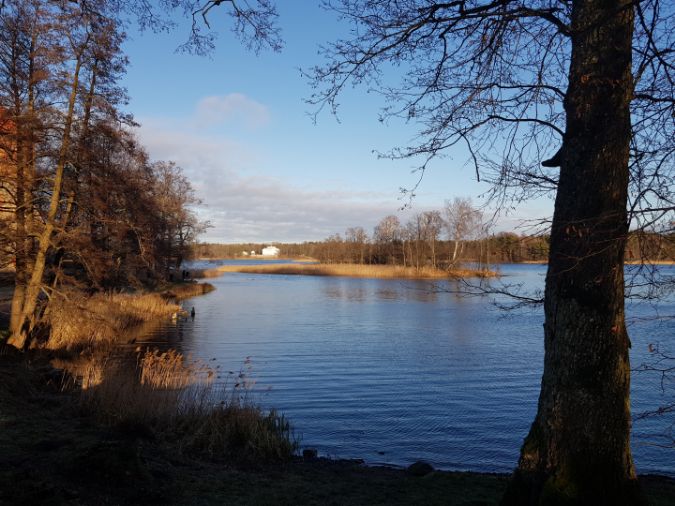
{"points": [[51, 452], [45, 457]]}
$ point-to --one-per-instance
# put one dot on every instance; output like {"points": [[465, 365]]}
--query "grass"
{"points": [[179, 291], [357, 271], [52, 451], [206, 273], [171, 397], [75, 320]]}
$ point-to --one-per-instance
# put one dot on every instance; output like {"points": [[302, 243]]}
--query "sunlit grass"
{"points": [[186, 290], [358, 271], [77, 320], [205, 273]]}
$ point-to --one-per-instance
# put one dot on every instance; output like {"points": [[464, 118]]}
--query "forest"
{"points": [[83, 206]]}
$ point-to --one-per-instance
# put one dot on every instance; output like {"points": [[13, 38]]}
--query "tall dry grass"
{"points": [[171, 397], [357, 271], [206, 273], [76, 320], [180, 291]]}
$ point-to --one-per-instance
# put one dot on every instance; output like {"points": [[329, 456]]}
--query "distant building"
{"points": [[271, 251], [252, 252], [244, 253]]}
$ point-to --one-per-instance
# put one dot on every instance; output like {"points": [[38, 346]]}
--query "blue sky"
{"points": [[238, 126]]}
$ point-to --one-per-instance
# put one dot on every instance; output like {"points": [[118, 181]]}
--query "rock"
{"points": [[420, 468], [309, 453]]}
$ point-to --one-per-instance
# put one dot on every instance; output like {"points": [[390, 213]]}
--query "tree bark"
{"points": [[578, 448], [26, 320], [25, 124], [454, 252]]}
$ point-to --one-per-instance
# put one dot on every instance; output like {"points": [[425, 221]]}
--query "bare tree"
{"points": [[412, 234], [432, 223], [462, 223], [386, 234], [359, 238], [570, 97]]}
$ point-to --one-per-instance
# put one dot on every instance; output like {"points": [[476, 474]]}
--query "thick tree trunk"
{"points": [[578, 448]]}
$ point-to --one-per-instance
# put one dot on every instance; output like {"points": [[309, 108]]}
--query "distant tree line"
{"points": [[440, 239], [82, 205], [504, 247]]}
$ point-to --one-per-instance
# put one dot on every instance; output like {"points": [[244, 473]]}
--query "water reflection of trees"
{"points": [[360, 290]]}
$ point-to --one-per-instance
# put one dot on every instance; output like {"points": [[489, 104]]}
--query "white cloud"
{"points": [[243, 204], [260, 209], [232, 108]]}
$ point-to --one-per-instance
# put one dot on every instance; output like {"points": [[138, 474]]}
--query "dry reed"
{"points": [[205, 273], [180, 291], [358, 271], [75, 320], [173, 397]]}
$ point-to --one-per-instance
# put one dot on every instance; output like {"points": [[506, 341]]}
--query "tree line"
{"points": [[83, 205], [440, 239]]}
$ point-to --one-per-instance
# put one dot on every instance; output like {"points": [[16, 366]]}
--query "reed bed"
{"points": [[358, 271], [187, 403], [180, 291], [75, 320], [205, 273]]}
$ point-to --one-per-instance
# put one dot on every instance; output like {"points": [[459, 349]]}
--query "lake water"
{"points": [[395, 371]]}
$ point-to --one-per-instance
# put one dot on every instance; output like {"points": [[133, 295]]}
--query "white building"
{"points": [[271, 251]]}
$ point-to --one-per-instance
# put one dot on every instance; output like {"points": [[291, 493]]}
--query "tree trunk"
{"points": [[25, 122], [20, 238], [578, 449], [433, 253], [26, 319]]}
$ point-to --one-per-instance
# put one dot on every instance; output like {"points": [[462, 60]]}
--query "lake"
{"points": [[394, 371]]}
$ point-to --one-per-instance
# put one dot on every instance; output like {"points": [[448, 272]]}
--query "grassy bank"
{"points": [[357, 271], [55, 450], [179, 291], [77, 320], [84, 420]]}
